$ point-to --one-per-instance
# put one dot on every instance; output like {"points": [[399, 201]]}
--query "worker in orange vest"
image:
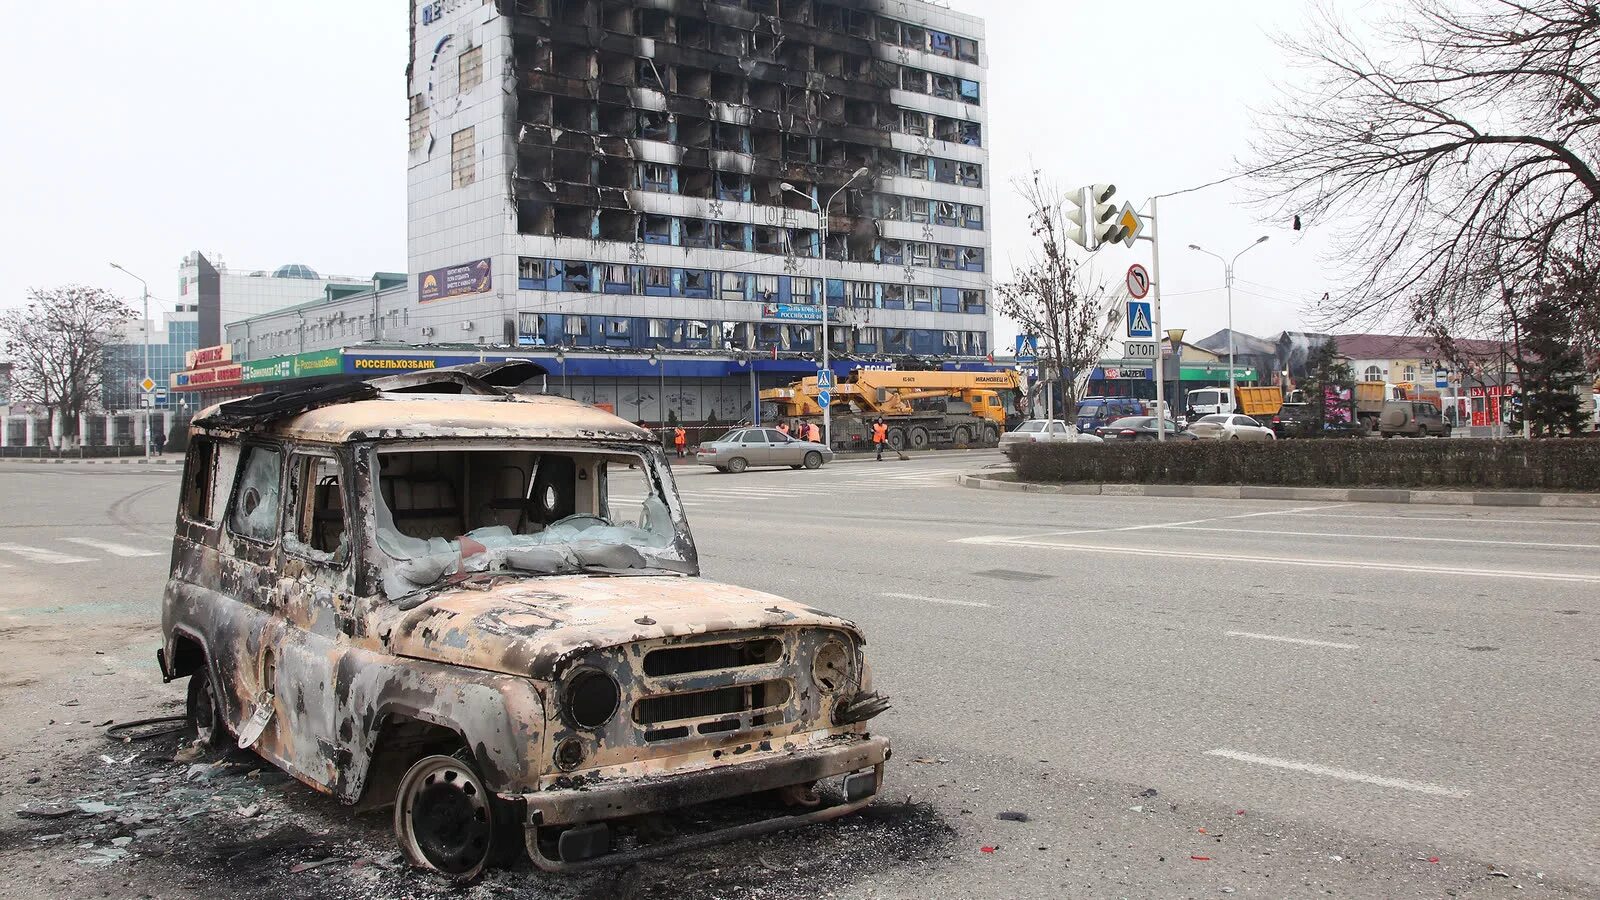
{"points": [[880, 436], [783, 427], [681, 439], [813, 433]]}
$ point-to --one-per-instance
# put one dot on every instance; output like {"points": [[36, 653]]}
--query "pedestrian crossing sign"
{"points": [[1139, 320], [1027, 348], [825, 379]]}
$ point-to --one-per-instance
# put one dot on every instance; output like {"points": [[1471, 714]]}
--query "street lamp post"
{"points": [[1175, 338], [822, 220], [146, 329], [1227, 274]]}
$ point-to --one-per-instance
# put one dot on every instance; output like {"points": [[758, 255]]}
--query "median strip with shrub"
{"points": [[1543, 465]]}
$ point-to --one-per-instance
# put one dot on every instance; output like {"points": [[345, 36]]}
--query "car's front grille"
{"points": [[711, 657], [718, 703]]}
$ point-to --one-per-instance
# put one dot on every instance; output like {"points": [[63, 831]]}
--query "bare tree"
{"points": [[1055, 295], [57, 343], [1456, 143]]}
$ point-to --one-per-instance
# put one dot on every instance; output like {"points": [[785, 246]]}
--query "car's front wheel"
{"points": [[813, 460], [204, 711], [444, 817]]}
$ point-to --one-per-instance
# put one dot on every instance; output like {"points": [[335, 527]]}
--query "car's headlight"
{"points": [[833, 669], [590, 698]]}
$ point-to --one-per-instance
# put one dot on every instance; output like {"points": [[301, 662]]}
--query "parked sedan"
{"points": [[745, 447], [1224, 427], [1142, 428], [1045, 431]]}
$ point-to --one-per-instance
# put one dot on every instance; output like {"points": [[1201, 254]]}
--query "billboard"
{"points": [[476, 277]]}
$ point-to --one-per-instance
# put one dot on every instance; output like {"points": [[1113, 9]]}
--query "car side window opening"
{"points": [[320, 530], [199, 481], [256, 497]]}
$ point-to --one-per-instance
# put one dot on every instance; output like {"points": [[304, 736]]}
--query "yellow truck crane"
{"points": [[922, 409]]}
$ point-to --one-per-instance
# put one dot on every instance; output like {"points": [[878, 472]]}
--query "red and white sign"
{"points": [[1138, 281], [208, 356]]}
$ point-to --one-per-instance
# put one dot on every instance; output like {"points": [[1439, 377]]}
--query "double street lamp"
{"points": [[146, 377], [1227, 273], [822, 218]]}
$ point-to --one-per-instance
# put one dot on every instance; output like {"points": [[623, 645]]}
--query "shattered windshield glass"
{"points": [[441, 513]]}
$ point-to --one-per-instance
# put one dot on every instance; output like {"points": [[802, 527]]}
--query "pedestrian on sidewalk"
{"points": [[680, 438], [880, 436], [158, 442], [813, 433]]}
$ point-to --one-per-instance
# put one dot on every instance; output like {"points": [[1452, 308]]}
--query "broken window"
{"points": [[617, 224], [918, 209], [731, 137], [888, 31], [863, 294], [913, 122], [658, 277], [618, 279], [256, 497], [944, 87], [941, 44], [947, 257], [866, 339], [697, 331], [896, 340], [966, 50], [920, 254], [530, 269], [972, 301], [944, 212], [655, 229], [577, 277], [654, 126], [944, 171], [972, 134], [319, 530], [694, 82], [618, 328], [914, 80], [469, 66], [419, 122], [922, 298], [945, 129], [891, 253], [969, 91], [732, 186], [463, 158], [733, 236], [766, 288], [697, 284], [576, 326], [972, 259], [655, 177], [971, 216], [658, 329], [732, 286], [768, 334], [531, 325], [913, 36], [199, 481], [698, 233], [894, 296], [916, 166], [769, 240], [648, 75], [970, 174]]}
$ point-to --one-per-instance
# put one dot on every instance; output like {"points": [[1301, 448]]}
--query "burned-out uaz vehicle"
{"points": [[424, 590]]}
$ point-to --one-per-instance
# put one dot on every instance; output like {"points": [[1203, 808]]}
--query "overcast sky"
{"points": [[275, 133]]}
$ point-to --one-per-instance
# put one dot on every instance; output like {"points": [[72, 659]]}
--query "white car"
{"points": [[1046, 431], [1231, 428]]}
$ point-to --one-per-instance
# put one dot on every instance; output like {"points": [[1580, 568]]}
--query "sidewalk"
{"points": [[856, 456], [1008, 482], [166, 459]]}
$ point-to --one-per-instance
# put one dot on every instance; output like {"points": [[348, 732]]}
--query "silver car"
{"points": [[745, 447], [1046, 431], [1224, 427]]}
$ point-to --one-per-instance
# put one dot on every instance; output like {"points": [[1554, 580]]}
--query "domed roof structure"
{"points": [[296, 270]]}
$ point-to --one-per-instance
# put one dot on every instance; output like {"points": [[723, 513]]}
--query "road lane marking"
{"points": [[1390, 537], [113, 549], [938, 600], [1460, 520], [1290, 561], [41, 555], [1289, 640], [999, 538], [1420, 787]]}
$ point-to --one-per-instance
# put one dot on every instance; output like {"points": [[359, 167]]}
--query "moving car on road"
{"points": [[1045, 431], [743, 448], [1142, 428], [1095, 412], [1412, 418], [417, 591], [1230, 428]]}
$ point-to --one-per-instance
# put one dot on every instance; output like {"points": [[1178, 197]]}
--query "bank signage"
{"points": [[797, 312], [216, 376], [476, 277], [300, 365]]}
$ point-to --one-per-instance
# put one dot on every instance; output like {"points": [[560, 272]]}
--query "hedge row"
{"points": [[1545, 465]]}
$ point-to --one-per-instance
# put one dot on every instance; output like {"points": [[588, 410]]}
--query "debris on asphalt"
{"points": [[1012, 815], [249, 812], [73, 702], [46, 810], [308, 866], [1147, 792], [96, 808], [189, 753], [1200, 858], [989, 849], [1496, 873]]}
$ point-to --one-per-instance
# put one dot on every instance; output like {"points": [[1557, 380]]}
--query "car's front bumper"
{"points": [[597, 802]]}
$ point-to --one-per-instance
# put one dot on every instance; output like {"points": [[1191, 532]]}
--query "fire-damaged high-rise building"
{"points": [[599, 173]]}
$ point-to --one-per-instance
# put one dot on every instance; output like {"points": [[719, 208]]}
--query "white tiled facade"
{"points": [[532, 68]]}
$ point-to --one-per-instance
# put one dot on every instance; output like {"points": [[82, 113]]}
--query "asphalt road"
{"points": [[1184, 697]]}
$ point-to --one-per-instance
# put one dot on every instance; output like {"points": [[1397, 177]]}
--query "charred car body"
{"points": [[417, 591]]}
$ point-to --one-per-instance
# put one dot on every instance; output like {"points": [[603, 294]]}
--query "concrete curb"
{"points": [[1262, 492], [113, 461]]}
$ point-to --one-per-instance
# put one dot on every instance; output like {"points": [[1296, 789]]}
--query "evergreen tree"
{"points": [[1327, 378], [1552, 370]]}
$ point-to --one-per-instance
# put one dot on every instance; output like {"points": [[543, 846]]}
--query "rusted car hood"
{"points": [[535, 626]]}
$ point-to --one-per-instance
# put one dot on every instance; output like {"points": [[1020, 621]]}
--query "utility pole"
{"points": [[146, 377], [822, 221]]}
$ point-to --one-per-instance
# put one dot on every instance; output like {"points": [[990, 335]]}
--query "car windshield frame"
{"points": [[1214, 419], [1039, 427], [604, 540]]}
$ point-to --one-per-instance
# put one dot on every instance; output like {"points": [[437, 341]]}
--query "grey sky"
{"points": [[275, 133]]}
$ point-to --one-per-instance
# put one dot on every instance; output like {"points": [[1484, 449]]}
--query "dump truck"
{"points": [[1257, 402], [922, 409]]}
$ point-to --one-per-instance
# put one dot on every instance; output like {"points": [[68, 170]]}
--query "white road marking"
{"points": [[113, 549], [41, 555], [1420, 787], [1289, 640], [938, 600], [1461, 520], [1291, 561], [1390, 537], [1000, 538]]}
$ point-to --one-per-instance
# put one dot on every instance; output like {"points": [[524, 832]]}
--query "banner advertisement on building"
{"points": [[797, 312], [476, 277], [214, 377], [207, 356]]}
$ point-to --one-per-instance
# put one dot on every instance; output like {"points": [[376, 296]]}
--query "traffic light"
{"points": [[1092, 216], [1104, 213]]}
